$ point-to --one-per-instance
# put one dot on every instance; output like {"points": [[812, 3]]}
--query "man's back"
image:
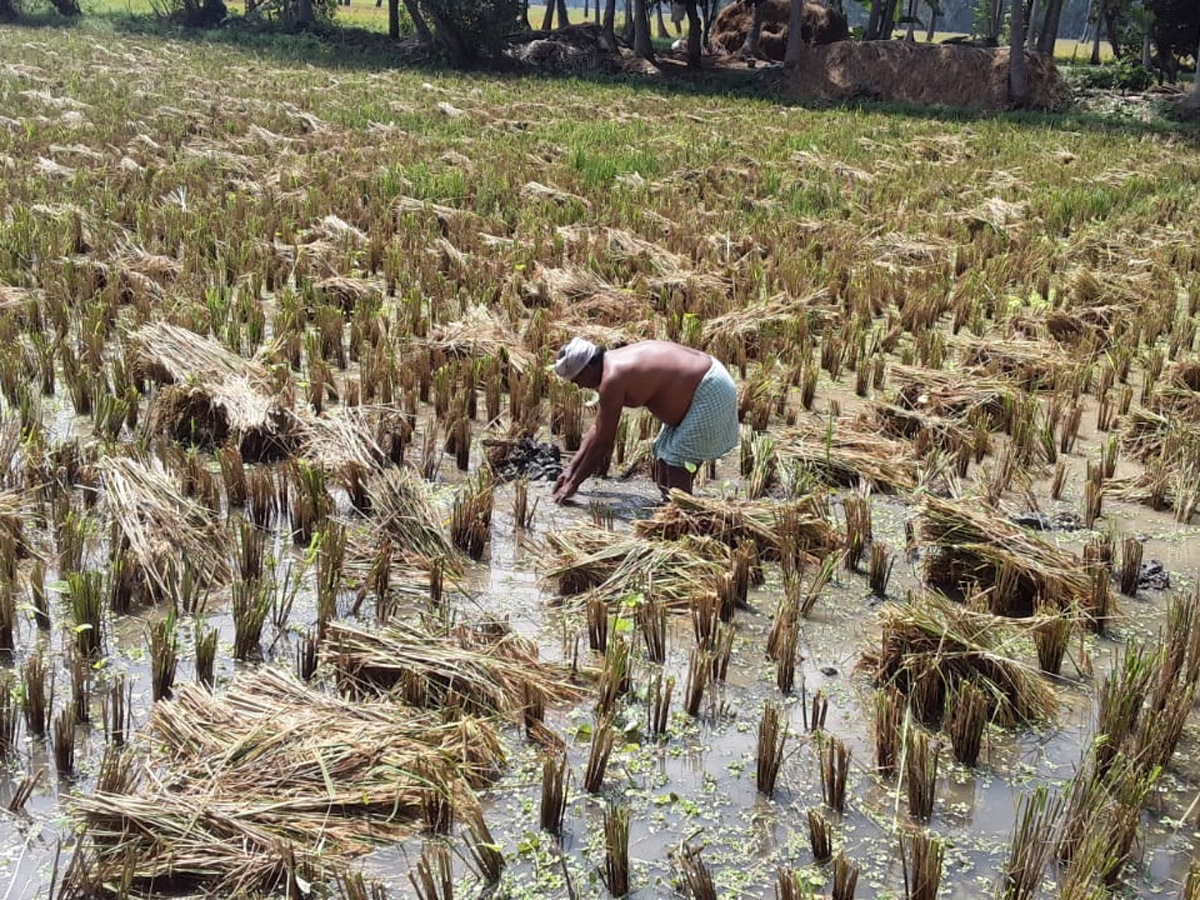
{"points": [[658, 375]]}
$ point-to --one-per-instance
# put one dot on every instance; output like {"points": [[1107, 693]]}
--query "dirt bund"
{"points": [[923, 74], [819, 26]]}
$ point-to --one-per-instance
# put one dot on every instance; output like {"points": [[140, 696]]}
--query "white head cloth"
{"points": [[573, 357]]}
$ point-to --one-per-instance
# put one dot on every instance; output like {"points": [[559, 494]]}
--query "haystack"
{"points": [[405, 517], [930, 647], [352, 436], [477, 335], [1151, 436], [968, 548], [484, 670], [922, 74], [846, 452], [164, 529], [754, 327], [936, 392], [819, 25], [14, 512], [273, 779], [614, 566], [736, 522], [211, 394], [1030, 365], [346, 293]]}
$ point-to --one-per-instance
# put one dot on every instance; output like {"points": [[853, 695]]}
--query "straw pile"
{"points": [[614, 566], [1031, 365], [348, 436], [779, 316], [819, 25], [931, 647], [480, 334], [923, 74], [967, 547], [275, 779], [211, 394], [935, 392], [404, 515], [1150, 436], [164, 529], [736, 522], [843, 453], [582, 294], [13, 515], [485, 671]]}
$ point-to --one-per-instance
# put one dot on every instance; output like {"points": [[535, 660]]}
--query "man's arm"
{"points": [[595, 446]]}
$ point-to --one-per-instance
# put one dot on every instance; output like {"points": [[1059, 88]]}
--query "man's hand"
{"points": [[564, 490]]}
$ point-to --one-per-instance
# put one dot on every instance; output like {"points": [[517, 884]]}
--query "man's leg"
{"points": [[677, 478], [658, 470]]}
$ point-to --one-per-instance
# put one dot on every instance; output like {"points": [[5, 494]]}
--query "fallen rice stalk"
{"points": [[931, 646], [485, 672], [162, 526]]}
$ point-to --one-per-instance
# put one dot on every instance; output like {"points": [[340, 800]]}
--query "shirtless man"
{"points": [[687, 390]]}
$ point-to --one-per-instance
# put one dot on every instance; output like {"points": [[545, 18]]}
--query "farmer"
{"points": [[687, 390]]}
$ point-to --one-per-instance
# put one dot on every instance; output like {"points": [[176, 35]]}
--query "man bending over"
{"points": [[687, 390]]}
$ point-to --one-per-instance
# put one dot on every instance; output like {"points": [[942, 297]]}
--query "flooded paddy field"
{"points": [[274, 619]]}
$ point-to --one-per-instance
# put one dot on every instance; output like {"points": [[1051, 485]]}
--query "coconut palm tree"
{"points": [[1193, 100], [1018, 71], [795, 43]]}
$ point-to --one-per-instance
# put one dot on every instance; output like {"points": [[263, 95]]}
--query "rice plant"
{"points": [[10, 715], [889, 720], [698, 674], [879, 569], [81, 688], [37, 591], [921, 855], [858, 530], [597, 623], [835, 766], [38, 698], [432, 877], [251, 605], [1051, 634], [306, 656], [533, 709], [968, 718], [483, 854], [616, 678], [555, 784], [523, 511], [164, 656], [84, 590], [694, 876], [116, 705], [471, 516], [814, 715], [920, 773], [1131, 566], [616, 850], [63, 741], [652, 620], [658, 709], [845, 878], [772, 736], [598, 754], [819, 837], [1033, 841], [206, 653]]}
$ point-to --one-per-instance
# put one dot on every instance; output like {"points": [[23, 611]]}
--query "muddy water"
{"points": [[699, 783]]}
